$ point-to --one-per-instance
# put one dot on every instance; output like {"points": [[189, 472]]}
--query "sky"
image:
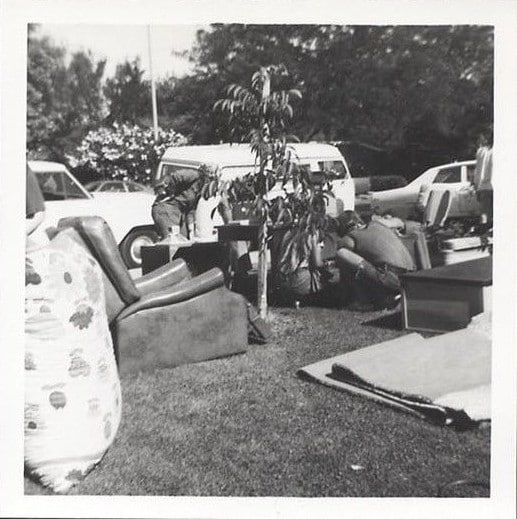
{"points": [[116, 43]]}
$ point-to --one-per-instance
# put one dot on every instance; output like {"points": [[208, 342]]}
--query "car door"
{"points": [[465, 202], [446, 178]]}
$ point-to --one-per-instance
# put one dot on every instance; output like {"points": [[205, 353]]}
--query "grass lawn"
{"points": [[248, 426]]}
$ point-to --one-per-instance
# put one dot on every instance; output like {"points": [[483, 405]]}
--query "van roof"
{"points": [[40, 166], [241, 154]]}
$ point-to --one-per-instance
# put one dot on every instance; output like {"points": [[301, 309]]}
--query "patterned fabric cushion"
{"points": [[72, 388]]}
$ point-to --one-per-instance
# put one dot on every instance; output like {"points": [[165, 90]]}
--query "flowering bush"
{"points": [[123, 152]]}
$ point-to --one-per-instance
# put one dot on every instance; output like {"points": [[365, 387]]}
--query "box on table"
{"points": [[445, 298], [456, 250]]}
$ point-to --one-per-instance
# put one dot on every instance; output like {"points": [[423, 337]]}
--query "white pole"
{"points": [[153, 86]]}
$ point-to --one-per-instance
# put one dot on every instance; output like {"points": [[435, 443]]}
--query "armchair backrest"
{"points": [[416, 244], [120, 290]]}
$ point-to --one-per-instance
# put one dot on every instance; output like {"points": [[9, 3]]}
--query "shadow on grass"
{"points": [[391, 321]]}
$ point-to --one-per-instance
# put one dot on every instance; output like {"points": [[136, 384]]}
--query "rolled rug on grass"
{"points": [[444, 379], [72, 388]]}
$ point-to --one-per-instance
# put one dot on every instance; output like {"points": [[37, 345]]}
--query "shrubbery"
{"points": [[380, 183], [362, 185], [122, 152]]}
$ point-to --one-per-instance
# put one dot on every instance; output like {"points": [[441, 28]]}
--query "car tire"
{"points": [[131, 244]]}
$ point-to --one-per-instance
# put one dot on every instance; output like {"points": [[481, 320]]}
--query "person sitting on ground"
{"points": [[305, 272], [373, 257]]}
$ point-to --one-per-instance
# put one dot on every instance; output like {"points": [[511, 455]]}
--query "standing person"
{"points": [[176, 196], [483, 184], [374, 257]]}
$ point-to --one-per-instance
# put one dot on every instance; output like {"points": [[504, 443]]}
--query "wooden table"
{"points": [[199, 256], [446, 298], [239, 232]]}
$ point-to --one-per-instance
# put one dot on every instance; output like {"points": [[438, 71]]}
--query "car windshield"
{"points": [[57, 185], [112, 187], [448, 176], [132, 187]]}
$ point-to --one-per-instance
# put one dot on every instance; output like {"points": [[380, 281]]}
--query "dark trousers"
{"points": [[169, 214]]}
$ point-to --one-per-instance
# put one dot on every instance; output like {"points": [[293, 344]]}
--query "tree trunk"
{"points": [[262, 271]]}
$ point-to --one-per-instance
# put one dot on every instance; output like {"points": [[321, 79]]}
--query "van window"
{"points": [[233, 172], [168, 169], [335, 168]]}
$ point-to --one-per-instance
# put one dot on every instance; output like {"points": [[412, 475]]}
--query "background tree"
{"points": [[185, 104], [63, 101], [395, 99], [418, 95], [128, 94]]}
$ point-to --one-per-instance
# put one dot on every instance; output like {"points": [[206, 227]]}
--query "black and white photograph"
{"points": [[269, 259]]}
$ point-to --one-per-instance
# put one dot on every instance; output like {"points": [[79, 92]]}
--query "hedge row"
{"points": [[378, 183]]}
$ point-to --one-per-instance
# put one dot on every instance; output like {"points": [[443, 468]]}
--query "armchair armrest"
{"points": [[199, 285], [165, 276]]}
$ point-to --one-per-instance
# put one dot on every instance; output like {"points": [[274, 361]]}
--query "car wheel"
{"points": [[133, 242]]}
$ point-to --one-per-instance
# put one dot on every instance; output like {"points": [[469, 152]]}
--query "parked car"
{"points": [[128, 214], [116, 186], [236, 160], [409, 200]]}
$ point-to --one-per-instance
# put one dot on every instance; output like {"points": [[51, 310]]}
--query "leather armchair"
{"points": [[165, 318]]}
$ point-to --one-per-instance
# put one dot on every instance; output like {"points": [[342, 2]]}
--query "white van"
{"points": [[236, 160]]}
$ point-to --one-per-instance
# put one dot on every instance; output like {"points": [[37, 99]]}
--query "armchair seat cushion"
{"points": [[204, 327]]}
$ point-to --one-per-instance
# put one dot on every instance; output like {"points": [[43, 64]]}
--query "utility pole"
{"points": [[153, 86]]}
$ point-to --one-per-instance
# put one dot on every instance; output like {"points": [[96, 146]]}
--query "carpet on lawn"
{"points": [[445, 379]]}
